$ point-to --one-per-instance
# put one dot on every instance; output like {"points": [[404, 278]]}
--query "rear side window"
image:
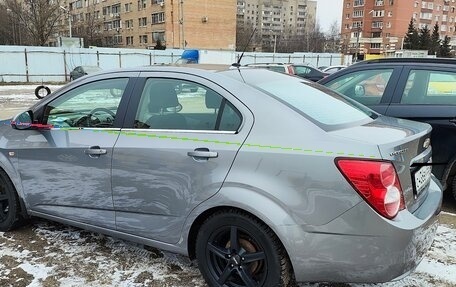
{"points": [[175, 104], [366, 87], [315, 102], [426, 87]]}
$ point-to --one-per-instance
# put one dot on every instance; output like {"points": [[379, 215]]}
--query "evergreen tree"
{"points": [[445, 48], [411, 39], [425, 38], [435, 40]]}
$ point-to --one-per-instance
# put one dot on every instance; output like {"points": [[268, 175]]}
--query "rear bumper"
{"points": [[362, 247]]}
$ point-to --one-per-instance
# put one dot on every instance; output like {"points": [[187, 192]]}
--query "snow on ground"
{"points": [[50, 254]]}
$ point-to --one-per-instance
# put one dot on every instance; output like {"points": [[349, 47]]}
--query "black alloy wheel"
{"points": [[9, 205], [237, 250]]}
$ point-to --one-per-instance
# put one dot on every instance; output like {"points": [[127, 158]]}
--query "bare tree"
{"points": [[333, 38], [243, 34], [91, 29], [38, 17]]}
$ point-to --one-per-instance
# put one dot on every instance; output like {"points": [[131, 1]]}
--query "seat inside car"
{"points": [[164, 106]]}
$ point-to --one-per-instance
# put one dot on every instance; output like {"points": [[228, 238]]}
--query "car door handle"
{"points": [[202, 153], [95, 151]]}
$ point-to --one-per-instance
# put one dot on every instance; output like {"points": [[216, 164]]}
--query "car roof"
{"points": [[407, 61]]}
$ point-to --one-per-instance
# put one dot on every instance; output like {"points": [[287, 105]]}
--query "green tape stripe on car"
{"points": [[249, 145]]}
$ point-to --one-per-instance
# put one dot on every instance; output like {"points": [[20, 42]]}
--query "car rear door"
{"points": [[428, 94], [174, 152], [370, 85]]}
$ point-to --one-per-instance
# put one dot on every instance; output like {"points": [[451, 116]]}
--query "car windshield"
{"points": [[322, 106]]}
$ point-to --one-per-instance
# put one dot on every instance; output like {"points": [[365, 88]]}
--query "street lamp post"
{"points": [[9, 11], [357, 43], [275, 43], [69, 18]]}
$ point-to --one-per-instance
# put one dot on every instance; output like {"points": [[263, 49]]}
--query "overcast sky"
{"points": [[328, 11]]}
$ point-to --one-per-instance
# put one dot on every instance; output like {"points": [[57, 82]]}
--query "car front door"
{"points": [[66, 169], [428, 95], [175, 152], [373, 87]]}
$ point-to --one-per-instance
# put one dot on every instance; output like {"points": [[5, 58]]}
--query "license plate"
{"points": [[422, 178]]}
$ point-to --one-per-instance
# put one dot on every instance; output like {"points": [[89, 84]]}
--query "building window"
{"points": [[347, 16], [116, 24], [390, 14], [377, 24], [375, 45], [158, 36], [128, 7], [141, 4], [129, 40], [117, 39], [358, 13], [358, 3], [143, 39], [378, 2], [129, 24], [142, 22], [443, 28], [376, 34], [379, 13], [158, 18], [357, 24]]}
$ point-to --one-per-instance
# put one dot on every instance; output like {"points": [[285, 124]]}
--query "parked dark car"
{"points": [[299, 70], [417, 89], [260, 184], [80, 71]]}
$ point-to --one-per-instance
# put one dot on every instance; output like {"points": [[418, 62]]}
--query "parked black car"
{"points": [[417, 89]]}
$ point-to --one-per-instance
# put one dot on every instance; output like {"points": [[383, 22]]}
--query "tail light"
{"points": [[377, 183]]}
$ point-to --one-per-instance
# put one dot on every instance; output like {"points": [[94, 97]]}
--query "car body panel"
{"points": [[279, 167]]}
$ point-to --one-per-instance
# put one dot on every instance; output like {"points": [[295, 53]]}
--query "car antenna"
{"points": [[238, 63]]}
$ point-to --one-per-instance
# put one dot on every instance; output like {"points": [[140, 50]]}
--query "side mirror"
{"points": [[22, 121], [360, 91]]}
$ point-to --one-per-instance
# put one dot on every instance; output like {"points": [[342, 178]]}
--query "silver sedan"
{"points": [[265, 179]]}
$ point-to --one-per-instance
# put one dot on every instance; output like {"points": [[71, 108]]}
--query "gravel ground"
{"points": [[48, 254]]}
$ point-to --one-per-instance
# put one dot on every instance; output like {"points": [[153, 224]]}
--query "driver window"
{"points": [[91, 105], [366, 87]]}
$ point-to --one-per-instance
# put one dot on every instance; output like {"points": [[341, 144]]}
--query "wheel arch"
{"points": [[449, 172], [9, 171], [250, 202]]}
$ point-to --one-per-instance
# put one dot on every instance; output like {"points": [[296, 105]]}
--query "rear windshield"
{"points": [[322, 106]]}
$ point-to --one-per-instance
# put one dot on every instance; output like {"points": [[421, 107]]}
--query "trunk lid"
{"points": [[407, 145]]}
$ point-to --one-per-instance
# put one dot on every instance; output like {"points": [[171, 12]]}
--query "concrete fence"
{"points": [[52, 64]]}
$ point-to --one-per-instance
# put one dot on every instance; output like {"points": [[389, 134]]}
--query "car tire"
{"points": [[42, 91], [10, 208], [256, 259]]}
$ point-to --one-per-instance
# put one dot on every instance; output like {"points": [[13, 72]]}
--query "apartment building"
{"points": [[379, 26], [200, 24], [273, 18]]}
